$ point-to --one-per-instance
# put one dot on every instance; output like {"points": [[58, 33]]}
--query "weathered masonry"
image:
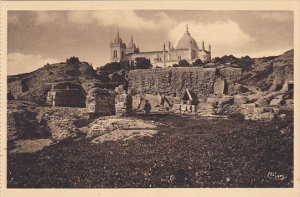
{"points": [[66, 94], [174, 81]]}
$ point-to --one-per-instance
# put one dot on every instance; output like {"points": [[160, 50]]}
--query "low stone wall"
{"points": [[231, 74], [252, 112], [174, 81]]}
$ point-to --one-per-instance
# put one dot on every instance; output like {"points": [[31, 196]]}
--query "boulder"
{"points": [[277, 100], [267, 116], [253, 97], [265, 99], [248, 108]]}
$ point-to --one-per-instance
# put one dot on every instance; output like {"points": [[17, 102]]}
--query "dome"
{"points": [[186, 41]]}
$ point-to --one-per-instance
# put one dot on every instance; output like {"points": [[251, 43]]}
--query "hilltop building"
{"points": [[184, 48]]}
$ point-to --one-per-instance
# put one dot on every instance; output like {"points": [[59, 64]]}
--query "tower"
{"points": [[209, 48], [190, 52], [117, 49], [132, 48], [164, 52], [169, 51]]}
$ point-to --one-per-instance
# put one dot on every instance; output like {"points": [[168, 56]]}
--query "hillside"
{"points": [[266, 74], [35, 85], [271, 73]]}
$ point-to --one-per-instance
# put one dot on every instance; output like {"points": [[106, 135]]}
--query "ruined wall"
{"points": [[66, 98], [173, 81], [100, 101], [231, 74], [15, 89], [282, 73]]}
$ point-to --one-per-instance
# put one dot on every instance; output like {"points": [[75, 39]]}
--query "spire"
{"points": [[209, 47], [118, 34], [164, 46], [118, 39], [131, 39], [203, 45], [187, 27]]}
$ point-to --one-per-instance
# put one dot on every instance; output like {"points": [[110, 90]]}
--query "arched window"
{"points": [[115, 53]]}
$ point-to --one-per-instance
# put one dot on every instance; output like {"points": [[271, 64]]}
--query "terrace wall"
{"points": [[174, 81]]}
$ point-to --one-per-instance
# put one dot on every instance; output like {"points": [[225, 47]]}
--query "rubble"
{"points": [[62, 122]]}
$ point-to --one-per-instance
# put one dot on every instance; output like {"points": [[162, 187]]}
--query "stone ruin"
{"points": [[190, 91], [188, 103], [66, 94], [205, 92], [123, 102], [100, 101]]}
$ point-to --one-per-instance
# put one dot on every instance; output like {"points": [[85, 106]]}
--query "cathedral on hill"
{"points": [[184, 48]]}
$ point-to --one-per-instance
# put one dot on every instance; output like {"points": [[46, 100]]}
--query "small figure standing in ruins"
{"points": [[147, 107], [126, 83]]}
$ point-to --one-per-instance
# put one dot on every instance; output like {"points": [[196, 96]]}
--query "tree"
{"points": [[125, 64], [198, 63], [183, 63], [73, 60], [113, 66], [225, 59], [142, 63], [245, 62]]}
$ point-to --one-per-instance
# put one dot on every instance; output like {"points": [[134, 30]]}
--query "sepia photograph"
{"points": [[150, 98]]}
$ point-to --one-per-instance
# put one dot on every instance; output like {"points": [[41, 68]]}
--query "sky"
{"points": [[36, 38]]}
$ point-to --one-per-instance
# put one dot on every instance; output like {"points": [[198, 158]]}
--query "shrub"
{"points": [[142, 63], [73, 60], [184, 63]]}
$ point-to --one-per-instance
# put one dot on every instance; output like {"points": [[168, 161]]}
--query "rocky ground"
{"points": [[180, 151]]}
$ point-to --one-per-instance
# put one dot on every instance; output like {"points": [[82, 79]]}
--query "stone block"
{"points": [[240, 99], [267, 116], [249, 105], [243, 111], [276, 110], [258, 110], [205, 106], [276, 101], [212, 100]]}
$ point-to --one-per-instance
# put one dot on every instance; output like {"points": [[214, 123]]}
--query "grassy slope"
{"points": [[186, 152]]}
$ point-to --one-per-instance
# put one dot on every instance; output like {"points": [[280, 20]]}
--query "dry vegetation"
{"points": [[186, 152]]}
